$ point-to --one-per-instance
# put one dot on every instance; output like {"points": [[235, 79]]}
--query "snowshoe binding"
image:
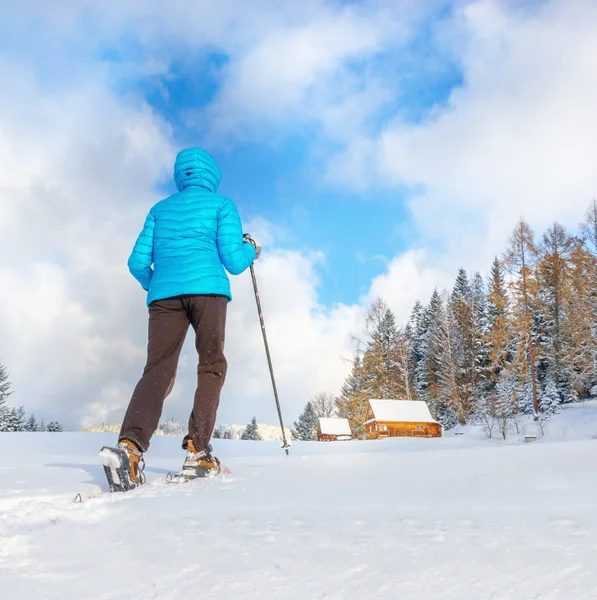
{"points": [[123, 466], [199, 464]]}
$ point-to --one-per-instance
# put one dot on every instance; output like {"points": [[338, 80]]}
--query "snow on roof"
{"points": [[335, 426], [404, 411]]}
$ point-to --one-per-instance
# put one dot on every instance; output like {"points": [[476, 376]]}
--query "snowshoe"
{"points": [[123, 466], [199, 464]]}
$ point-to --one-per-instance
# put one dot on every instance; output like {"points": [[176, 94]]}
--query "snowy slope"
{"points": [[456, 518]]}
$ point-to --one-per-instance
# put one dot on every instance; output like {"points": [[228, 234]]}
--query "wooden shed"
{"points": [[400, 418], [332, 430]]}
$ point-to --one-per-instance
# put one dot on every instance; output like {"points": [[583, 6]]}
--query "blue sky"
{"points": [[377, 146], [281, 178]]}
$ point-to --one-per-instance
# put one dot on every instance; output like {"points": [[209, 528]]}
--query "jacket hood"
{"points": [[196, 167]]}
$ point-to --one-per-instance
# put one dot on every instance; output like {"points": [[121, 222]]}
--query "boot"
{"points": [[199, 464], [123, 466]]}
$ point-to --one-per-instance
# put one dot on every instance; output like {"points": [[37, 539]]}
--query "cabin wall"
{"points": [[327, 437], [382, 429]]}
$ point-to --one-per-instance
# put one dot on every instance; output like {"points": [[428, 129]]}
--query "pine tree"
{"points": [[5, 386], [521, 260], [549, 403], [404, 365], [418, 328], [429, 368], [526, 401], [353, 400], [480, 329], [54, 427], [507, 403], [305, 428], [217, 433], [453, 388], [436, 376], [553, 278], [31, 424], [589, 228], [251, 432], [5, 392], [15, 420], [227, 435], [468, 319], [500, 339], [381, 359]]}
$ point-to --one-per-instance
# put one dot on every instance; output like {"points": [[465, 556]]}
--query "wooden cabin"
{"points": [[333, 430], [400, 418]]}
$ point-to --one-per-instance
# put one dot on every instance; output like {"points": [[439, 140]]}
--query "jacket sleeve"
{"points": [[141, 258], [235, 254]]}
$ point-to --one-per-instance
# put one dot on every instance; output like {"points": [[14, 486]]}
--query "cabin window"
{"points": [[419, 427], [384, 427]]}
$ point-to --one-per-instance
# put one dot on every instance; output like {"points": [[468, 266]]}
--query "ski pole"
{"points": [[285, 445]]}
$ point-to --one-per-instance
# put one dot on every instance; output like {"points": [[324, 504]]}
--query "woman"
{"points": [[188, 242]]}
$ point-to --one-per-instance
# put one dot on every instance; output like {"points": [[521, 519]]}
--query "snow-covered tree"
{"points": [[5, 392], [428, 374], [251, 432], [579, 351], [521, 260], [54, 427], [305, 428], [15, 419], [381, 360], [31, 424], [554, 288], [353, 399], [549, 402], [499, 337], [418, 328]]}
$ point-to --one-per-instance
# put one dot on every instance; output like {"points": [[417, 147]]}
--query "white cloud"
{"points": [[518, 139], [78, 180], [409, 277], [80, 166]]}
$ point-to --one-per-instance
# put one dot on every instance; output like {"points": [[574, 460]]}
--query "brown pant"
{"points": [[169, 321]]}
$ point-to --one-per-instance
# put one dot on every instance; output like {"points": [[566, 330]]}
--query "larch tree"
{"points": [[580, 327], [553, 272], [521, 261]]}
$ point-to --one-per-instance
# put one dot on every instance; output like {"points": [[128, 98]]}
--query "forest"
{"points": [[522, 341]]}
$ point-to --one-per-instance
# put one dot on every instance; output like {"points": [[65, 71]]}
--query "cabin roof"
{"points": [[400, 411], [334, 426]]}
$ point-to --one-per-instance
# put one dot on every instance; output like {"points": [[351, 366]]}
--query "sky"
{"points": [[373, 147]]}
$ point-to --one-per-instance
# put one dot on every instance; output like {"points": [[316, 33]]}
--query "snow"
{"points": [[453, 518], [403, 411], [335, 426]]}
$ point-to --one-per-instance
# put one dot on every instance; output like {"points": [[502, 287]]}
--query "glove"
{"points": [[251, 240]]}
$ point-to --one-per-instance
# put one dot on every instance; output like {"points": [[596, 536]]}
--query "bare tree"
{"points": [[324, 405]]}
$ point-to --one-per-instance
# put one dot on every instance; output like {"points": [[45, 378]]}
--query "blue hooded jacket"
{"points": [[189, 238]]}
